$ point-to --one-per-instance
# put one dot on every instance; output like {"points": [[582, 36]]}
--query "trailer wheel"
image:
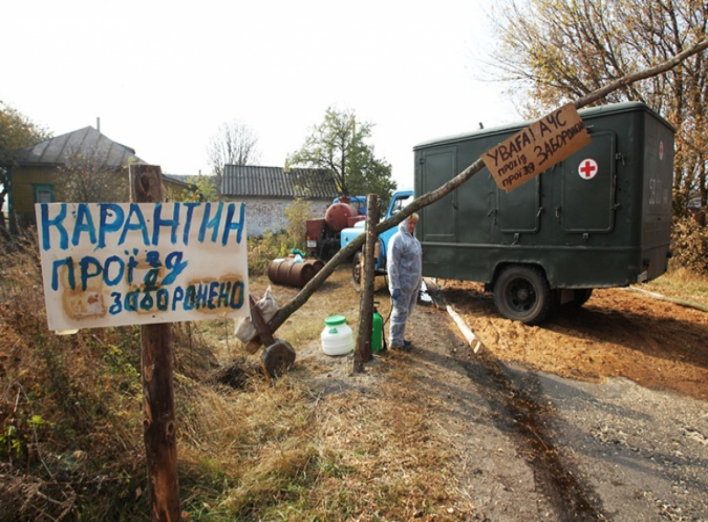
{"points": [[522, 293], [581, 297], [356, 271]]}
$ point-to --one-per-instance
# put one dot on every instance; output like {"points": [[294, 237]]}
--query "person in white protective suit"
{"points": [[404, 267]]}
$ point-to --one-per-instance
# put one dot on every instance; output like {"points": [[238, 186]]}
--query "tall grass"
{"points": [[71, 417], [683, 283]]}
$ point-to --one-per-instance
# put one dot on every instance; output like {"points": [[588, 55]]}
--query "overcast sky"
{"points": [[162, 76]]}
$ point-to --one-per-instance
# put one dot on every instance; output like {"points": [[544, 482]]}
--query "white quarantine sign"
{"points": [[113, 264]]}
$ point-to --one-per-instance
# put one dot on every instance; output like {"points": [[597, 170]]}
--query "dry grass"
{"points": [[681, 283], [70, 410]]}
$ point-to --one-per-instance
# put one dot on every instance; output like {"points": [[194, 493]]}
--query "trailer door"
{"points": [[439, 224], [588, 187]]}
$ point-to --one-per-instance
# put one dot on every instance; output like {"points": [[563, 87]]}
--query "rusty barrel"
{"points": [[288, 271]]}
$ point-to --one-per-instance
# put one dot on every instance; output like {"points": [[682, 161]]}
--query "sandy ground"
{"points": [[618, 333]]}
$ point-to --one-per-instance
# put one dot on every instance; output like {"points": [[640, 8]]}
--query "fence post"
{"points": [[159, 426], [366, 300]]}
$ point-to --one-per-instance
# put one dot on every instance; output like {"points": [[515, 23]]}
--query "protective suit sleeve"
{"points": [[393, 263]]}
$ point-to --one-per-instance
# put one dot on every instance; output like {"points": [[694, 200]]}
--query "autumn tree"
{"points": [[339, 145], [233, 144], [554, 51], [16, 131], [85, 179]]}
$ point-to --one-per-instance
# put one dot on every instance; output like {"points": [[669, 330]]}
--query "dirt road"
{"points": [[597, 415]]}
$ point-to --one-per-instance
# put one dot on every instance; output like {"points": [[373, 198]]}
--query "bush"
{"points": [[689, 243], [298, 212], [263, 250]]}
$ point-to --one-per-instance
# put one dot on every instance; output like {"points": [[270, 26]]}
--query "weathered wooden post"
{"points": [[159, 426], [366, 300]]}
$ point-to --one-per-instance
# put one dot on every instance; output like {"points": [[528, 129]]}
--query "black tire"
{"points": [[581, 297], [522, 293], [356, 271]]}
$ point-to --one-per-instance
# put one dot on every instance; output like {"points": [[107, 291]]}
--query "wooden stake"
{"points": [[366, 301], [159, 426]]}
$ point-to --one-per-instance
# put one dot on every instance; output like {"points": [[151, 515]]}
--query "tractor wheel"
{"points": [[356, 271], [278, 358]]}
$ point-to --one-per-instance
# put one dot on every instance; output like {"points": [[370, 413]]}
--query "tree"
{"points": [[554, 51], [233, 144], [16, 131], [86, 180], [338, 144], [206, 189]]}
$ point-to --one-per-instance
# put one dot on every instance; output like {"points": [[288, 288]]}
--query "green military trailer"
{"points": [[601, 218]]}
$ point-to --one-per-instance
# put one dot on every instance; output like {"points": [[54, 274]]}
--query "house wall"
{"points": [[269, 213], [25, 180], [174, 192]]}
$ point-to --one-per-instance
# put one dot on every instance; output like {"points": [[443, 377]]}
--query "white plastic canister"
{"points": [[337, 337]]}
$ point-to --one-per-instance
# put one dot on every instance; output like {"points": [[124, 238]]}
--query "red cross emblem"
{"points": [[588, 168]]}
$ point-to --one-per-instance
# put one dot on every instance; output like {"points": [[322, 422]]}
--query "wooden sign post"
{"points": [[159, 427], [142, 263]]}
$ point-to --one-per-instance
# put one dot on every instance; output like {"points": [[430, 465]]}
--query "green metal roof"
{"points": [[86, 142]]}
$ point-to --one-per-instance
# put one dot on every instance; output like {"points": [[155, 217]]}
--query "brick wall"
{"points": [[269, 213]]}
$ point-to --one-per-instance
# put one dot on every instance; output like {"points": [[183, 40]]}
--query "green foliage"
{"points": [[207, 189], [16, 131], [297, 213], [339, 145], [263, 250]]}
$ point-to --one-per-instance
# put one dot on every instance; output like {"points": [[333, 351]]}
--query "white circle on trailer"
{"points": [[588, 168]]}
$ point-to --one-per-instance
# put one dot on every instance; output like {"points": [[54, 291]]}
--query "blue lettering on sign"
{"points": [[159, 222], [109, 210], [208, 296], [140, 226], [58, 222], [138, 254], [114, 269], [84, 223], [108, 224]]}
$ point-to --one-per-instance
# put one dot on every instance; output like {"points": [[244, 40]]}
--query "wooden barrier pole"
{"points": [[366, 301], [159, 427]]}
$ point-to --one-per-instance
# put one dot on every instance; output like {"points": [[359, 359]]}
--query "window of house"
{"points": [[43, 193]]}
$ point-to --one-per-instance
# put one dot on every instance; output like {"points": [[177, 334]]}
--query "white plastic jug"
{"points": [[337, 337]]}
